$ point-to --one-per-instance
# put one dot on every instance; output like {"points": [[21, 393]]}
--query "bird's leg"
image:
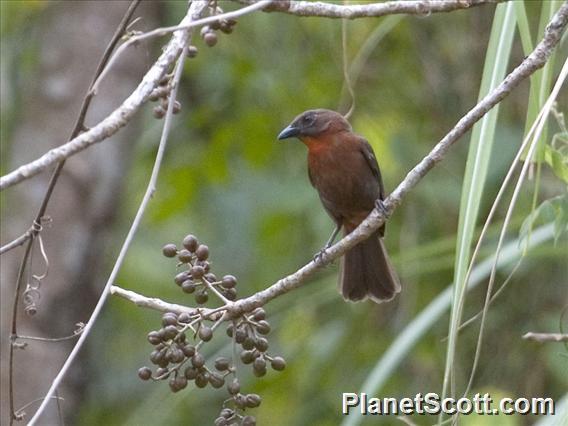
{"points": [[380, 206], [318, 257]]}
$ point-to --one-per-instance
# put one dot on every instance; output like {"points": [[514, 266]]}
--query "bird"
{"points": [[342, 167]]}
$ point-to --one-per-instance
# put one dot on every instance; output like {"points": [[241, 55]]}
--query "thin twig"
{"points": [[20, 412], [17, 242], [346, 77], [77, 332], [500, 290], [546, 337], [365, 51]]}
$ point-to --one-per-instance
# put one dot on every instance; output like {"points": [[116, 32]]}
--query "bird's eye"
{"points": [[308, 119]]}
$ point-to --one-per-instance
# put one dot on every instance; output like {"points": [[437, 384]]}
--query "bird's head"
{"points": [[315, 123]]}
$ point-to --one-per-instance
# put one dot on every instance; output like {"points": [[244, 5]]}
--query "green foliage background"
{"points": [[226, 179]]}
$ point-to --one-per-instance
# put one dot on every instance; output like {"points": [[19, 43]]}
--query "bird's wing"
{"points": [[369, 155]]}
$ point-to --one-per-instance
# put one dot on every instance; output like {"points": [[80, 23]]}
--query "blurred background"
{"points": [[226, 179]]}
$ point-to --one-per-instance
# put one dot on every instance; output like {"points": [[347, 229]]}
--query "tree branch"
{"points": [[373, 10], [528, 66], [153, 303], [546, 337]]}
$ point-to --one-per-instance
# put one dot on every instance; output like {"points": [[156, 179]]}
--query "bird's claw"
{"points": [[380, 206], [318, 257]]}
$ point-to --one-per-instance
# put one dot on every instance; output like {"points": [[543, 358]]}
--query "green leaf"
{"points": [[557, 162], [554, 210]]}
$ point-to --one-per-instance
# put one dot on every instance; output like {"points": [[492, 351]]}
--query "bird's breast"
{"points": [[343, 179]]}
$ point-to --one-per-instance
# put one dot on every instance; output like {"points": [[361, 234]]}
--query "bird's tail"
{"points": [[367, 272]]}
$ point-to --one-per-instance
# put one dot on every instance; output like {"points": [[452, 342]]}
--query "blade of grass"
{"points": [[481, 144]]}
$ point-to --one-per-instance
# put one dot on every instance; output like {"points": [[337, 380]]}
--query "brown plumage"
{"points": [[344, 170]]}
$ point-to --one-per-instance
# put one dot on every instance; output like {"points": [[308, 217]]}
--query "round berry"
{"points": [[248, 343], [184, 317], [253, 400], [263, 327], [227, 413], [184, 256], [240, 335], [197, 272], [169, 318], [259, 314], [216, 380], [229, 281], [201, 298], [169, 250], [158, 112], [190, 373], [210, 39], [181, 277], [278, 363], [234, 387], [247, 357], [222, 363], [248, 421], [192, 52], [188, 350], [188, 286], [144, 373], [197, 360], [154, 337], [261, 344], [201, 380], [205, 333], [176, 107], [202, 252], [190, 242]]}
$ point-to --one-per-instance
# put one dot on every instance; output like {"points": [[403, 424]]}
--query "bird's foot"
{"points": [[318, 257], [380, 206]]}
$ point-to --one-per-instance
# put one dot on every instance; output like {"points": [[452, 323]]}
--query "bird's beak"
{"points": [[288, 132]]}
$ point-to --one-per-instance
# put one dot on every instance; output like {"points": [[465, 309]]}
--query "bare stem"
{"points": [[546, 337]]}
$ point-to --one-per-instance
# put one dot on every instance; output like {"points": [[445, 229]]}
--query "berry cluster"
{"points": [[162, 93], [209, 32], [196, 278], [247, 332], [177, 344]]}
